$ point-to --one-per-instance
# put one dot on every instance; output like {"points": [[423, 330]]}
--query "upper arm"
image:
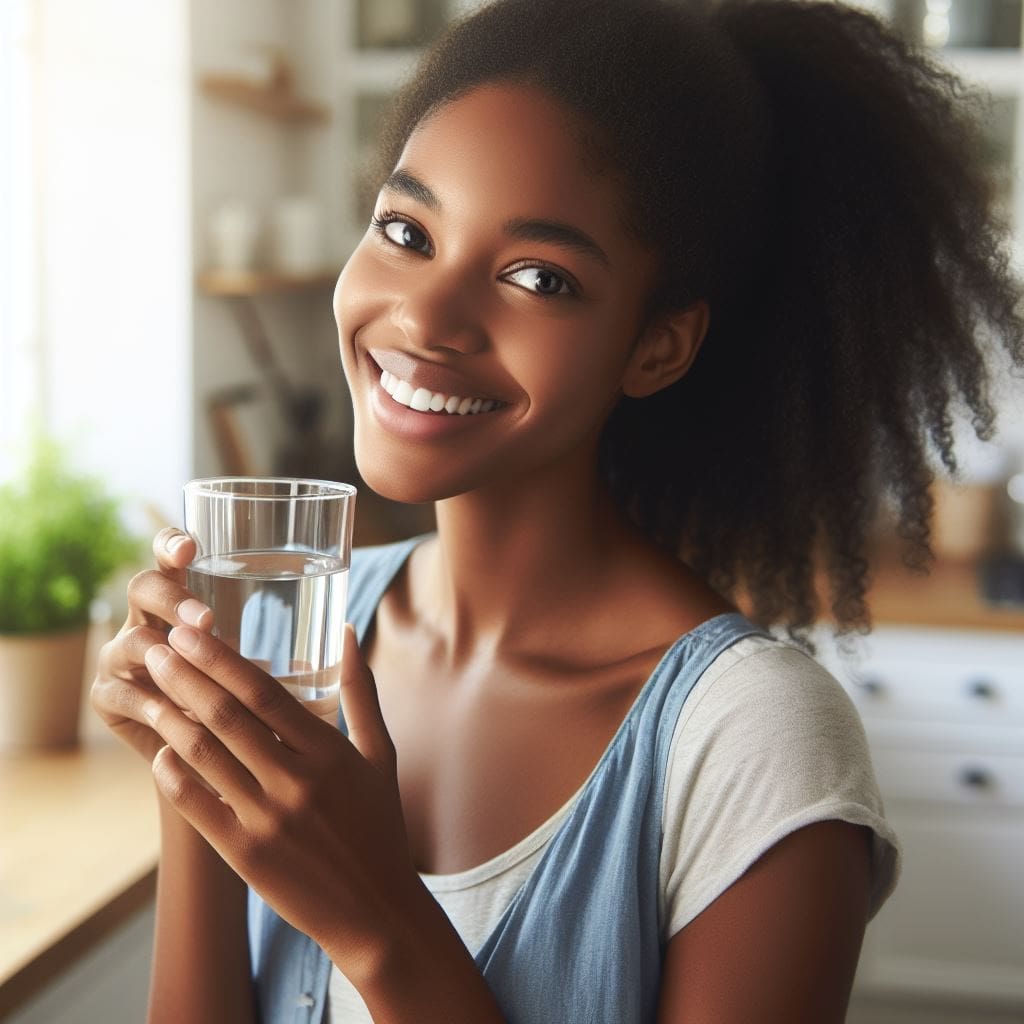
{"points": [[781, 943]]}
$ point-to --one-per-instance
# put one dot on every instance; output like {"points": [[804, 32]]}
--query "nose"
{"points": [[438, 312]]}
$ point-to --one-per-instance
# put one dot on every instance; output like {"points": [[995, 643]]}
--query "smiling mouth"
{"points": [[422, 400]]}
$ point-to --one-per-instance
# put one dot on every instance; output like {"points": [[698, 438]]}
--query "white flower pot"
{"points": [[41, 689]]}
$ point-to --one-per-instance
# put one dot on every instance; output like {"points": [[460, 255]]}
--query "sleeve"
{"points": [[767, 742]]}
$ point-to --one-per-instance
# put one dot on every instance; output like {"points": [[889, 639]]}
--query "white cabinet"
{"points": [[944, 715]]}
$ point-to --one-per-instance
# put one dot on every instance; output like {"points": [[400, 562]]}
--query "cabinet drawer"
{"points": [[954, 927], [913, 674], [950, 777]]}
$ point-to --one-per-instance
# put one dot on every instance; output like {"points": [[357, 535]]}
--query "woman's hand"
{"points": [[157, 600], [310, 818]]}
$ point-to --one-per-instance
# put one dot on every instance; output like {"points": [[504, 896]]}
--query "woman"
{"points": [[656, 303]]}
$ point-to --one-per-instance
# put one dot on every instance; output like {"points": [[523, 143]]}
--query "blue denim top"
{"points": [[580, 942]]}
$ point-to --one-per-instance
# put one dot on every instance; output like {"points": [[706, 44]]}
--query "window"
{"points": [[95, 284]]}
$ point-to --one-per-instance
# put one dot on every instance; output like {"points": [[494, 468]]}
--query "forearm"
{"points": [[201, 969], [422, 972]]}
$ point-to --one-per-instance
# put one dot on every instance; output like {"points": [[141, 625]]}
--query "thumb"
{"points": [[361, 708], [174, 550]]}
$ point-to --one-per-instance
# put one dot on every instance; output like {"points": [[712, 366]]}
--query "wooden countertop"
{"points": [[79, 839], [947, 597]]}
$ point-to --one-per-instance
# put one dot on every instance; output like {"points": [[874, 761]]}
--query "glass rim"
{"points": [[330, 490]]}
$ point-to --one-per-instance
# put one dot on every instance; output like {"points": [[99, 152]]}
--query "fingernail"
{"points": [[184, 639], [175, 543], [156, 657], [192, 611]]}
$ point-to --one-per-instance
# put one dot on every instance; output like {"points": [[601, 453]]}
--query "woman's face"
{"points": [[497, 276]]}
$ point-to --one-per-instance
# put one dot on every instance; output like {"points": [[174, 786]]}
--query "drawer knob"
{"points": [[982, 689], [976, 778]]}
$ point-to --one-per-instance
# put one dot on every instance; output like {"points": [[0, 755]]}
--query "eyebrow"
{"points": [[557, 233], [406, 184], [529, 229]]}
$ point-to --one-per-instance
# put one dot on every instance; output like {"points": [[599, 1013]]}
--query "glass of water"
{"points": [[272, 559]]}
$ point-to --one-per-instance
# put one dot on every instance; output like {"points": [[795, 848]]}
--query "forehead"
{"points": [[514, 151]]}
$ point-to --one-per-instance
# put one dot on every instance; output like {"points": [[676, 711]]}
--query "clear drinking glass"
{"points": [[272, 560]]}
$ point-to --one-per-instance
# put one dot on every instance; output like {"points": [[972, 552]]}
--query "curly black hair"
{"points": [[821, 182]]}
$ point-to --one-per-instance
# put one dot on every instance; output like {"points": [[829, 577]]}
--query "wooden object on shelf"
{"points": [[303, 449], [278, 103], [234, 284]]}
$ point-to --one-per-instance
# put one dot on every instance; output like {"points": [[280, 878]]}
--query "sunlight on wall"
{"points": [[17, 363], [105, 320]]}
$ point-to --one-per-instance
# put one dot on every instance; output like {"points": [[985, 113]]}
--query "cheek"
{"points": [[357, 295], [579, 378]]}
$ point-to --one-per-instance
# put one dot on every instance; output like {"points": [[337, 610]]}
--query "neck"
{"points": [[512, 559]]}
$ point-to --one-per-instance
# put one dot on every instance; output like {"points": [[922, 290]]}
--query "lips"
{"points": [[424, 400], [426, 387]]}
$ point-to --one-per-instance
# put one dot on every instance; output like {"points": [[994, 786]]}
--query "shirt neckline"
{"points": [[559, 818]]}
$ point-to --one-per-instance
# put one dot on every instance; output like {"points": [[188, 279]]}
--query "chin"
{"points": [[396, 481]]}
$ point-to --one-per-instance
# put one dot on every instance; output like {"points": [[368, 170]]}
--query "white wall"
{"points": [[113, 299]]}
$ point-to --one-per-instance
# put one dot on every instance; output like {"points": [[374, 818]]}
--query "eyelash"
{"points": [[380, 221]]}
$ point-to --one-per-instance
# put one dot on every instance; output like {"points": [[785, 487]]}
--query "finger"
{"points": [[187, 794], [260, 694], [158, 599], [115, 699], [202, 750], [360, 706], [125, 655], [174, 550], [122, 681], [241, 734]]}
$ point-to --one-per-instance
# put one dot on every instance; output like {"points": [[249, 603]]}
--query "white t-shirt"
{"points": [[767, 742]]}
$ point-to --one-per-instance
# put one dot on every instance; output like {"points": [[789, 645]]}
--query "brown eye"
{"points": [[402, 233], [540, 281]]}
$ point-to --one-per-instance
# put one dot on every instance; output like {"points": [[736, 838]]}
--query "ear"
{"points": [[666, 350]]}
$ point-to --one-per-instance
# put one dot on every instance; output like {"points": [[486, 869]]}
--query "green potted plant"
{"points": [[61, 537]]}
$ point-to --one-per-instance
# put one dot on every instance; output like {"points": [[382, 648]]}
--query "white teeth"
{"points": [[423, 400], [420, 400], [403, 393]]}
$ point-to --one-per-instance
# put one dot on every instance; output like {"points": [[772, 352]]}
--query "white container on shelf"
{"points": [[297, 235], [234, 231]]}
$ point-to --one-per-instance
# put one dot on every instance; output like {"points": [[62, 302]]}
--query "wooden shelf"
{"points": [[277, 103], [236, 284]]}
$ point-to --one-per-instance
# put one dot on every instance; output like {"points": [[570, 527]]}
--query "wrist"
{"points": [[416, 962], [410, 922]]}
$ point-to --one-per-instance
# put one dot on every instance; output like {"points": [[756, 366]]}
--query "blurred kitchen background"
{"points": [[180, 184]]}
